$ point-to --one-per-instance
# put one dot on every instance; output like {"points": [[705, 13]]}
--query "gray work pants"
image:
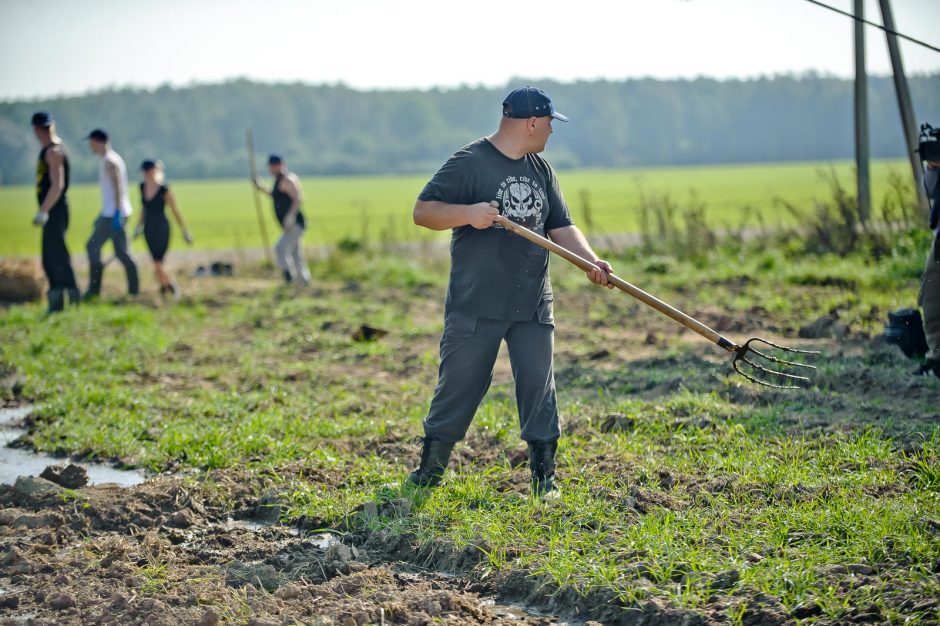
{"points": [[929, 299], [469, 347], [103, 231], [290, 254]]}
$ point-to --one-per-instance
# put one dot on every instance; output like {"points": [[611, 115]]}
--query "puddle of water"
{"points": [[14, 414], [514, 611], [256, 526], [325, 540], [15, 462]]}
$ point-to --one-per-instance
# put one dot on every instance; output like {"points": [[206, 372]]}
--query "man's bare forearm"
{"points": [[55, 193], [56, 178], [112, 172], [294, 208], [437, 215], [571, 238], [171, 200]]}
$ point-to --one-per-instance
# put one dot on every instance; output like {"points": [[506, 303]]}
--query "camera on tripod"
{"points": [[929, 147]]}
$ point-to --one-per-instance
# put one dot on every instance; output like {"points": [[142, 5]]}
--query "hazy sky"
{"points": [[71, 46]]}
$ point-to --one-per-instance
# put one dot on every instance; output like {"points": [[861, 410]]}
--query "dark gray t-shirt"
{"points": [[495, 274]]}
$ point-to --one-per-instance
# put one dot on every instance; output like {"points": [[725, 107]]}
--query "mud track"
{"points": [[193, 551], [169, 552]]}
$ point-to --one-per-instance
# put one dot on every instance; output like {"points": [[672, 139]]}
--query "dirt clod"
{"points": [[400, 507], [9, 601], [62, 601], [368, 333], [182, 519], [30, 486], [666, 480], [726, 579], [339, 552], [71, 476], [368, 510], [806, 609], [616, 423], [825, 327], [239, 574], [209, 618]]}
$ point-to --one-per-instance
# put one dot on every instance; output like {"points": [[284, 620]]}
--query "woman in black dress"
{"points": [[155, 195]]}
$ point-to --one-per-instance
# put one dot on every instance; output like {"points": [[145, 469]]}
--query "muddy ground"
{"points": [[167, 552], [208, 550], [203, 551]]}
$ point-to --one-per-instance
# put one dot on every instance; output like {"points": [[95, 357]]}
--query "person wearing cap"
{"points": [[288, 199], [153, 224], [115, 209], [499, 288], [52, 185]]}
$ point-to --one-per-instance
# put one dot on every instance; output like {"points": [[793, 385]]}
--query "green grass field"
{"points": [[221, 213]]}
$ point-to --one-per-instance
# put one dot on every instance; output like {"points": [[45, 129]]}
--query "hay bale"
{"points": [[21, 280]]}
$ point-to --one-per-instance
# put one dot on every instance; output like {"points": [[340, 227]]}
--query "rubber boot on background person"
{"points": [[56, 298], [435, 455], [542, 466]]}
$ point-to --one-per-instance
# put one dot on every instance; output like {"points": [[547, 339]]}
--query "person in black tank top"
{"points": [[52, 184], [155, 195], [288, 199]]}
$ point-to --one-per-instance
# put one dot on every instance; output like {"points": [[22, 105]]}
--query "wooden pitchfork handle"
{"points": [[646, 298]]}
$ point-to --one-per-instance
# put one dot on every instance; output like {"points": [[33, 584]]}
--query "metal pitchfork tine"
{"points": [[756, 365], [741, 354]]}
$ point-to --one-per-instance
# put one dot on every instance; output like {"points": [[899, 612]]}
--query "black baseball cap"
{"points": [[149, 164], [527, 102], [98, 135], [42, 119], [275, 159]]}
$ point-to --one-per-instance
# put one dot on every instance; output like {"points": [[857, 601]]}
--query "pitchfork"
{"points": [[755, 364]]}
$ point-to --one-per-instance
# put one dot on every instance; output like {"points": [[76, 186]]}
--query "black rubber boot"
{"points": [[287, 277], [434, 458], [75, 296], [542, 465], [56, 300], [931, 367]]}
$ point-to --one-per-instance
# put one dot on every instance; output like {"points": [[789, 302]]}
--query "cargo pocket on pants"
{"points": [[459, 326], [545, 313]]}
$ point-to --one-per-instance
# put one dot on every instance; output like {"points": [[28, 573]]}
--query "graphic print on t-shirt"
{"points": [[522, 199]]}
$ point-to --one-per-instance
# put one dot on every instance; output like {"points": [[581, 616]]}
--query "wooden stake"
{"points": [[249, 138]]}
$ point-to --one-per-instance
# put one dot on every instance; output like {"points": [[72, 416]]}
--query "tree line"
{"points": [[199, 130]]}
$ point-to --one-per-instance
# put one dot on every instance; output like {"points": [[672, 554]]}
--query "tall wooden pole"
{"points": [[863, 178], [249, 139], [904, 102]]}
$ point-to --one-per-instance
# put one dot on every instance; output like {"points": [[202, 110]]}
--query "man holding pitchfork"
{"points": [[499, 286]]}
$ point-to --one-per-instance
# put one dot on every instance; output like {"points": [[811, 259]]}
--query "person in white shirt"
{"points": [[115, 210]]}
